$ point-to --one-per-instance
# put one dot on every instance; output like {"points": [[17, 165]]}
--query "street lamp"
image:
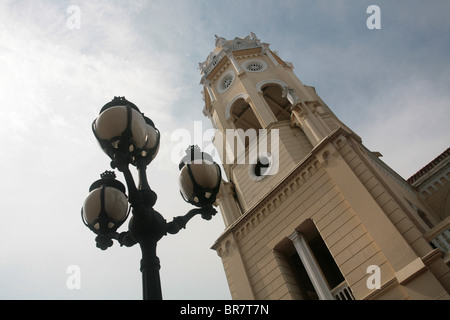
{"points": [[105, 208], [127, 136]]}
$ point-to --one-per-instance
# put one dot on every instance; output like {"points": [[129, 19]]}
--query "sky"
{"points": [[61, 61]]}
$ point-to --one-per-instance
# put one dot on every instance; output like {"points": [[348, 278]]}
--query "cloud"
{"points": [[50, 83], [54, 81], [407, 125], [387, 86]]}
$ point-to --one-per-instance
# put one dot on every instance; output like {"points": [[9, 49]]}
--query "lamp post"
{"points": [[128, 137]]}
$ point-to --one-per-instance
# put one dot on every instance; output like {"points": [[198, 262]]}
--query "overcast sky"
{"points": [[391, 86]]}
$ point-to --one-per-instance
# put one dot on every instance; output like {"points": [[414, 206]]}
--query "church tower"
{"points": [[310, 212]]}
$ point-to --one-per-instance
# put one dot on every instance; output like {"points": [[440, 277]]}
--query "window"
{"points": [[318, 262], [421, 214], [278, 104], [254, 66], [246, 124], [243, 116], [326, 262], [301, 277], [262, 167], [225, 82]]}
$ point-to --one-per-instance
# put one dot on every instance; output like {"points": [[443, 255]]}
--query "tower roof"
{"points": [[429, 166]]}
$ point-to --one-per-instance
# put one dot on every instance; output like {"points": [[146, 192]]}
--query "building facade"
{"points": [[310, 212]]}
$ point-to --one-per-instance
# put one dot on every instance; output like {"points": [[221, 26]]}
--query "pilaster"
{"points": [[227, 203]]}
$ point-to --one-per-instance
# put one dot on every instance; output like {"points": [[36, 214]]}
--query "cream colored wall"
{"points": [[356, 230], [312, 195], [293, 146], [383, 192], [318, 199], [397, 236], [392, 194], [402, 189]]}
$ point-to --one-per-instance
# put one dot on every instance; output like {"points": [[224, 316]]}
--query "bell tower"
{"points": [[308, 209]]}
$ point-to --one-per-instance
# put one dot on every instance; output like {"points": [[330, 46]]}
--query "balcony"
{"points": [[439, 237]]}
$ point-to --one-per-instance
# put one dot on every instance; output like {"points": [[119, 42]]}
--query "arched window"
{"points": [[243, 116], [245, 119], [279, 105]]}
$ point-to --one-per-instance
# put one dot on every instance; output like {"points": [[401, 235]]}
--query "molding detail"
{"points": [[254, 65], [225, 249], [409, 272], [260, 84], [242, 95]]}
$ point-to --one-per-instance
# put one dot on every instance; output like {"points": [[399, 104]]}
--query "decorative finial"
{"points": [[108, 175], [253, 37], [194, 155], [220, 41], [119, 101], [193, 149]]}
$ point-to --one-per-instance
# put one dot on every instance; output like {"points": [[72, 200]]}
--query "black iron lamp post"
{"points": [[128, 137]]}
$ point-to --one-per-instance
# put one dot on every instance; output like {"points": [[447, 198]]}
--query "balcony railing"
{"points": [[214, 62], [439, 237], [442, 241], [245, 45], [342, 292]]}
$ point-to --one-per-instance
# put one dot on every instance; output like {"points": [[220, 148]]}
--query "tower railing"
{"points": [[245, 45], [214, 62]]}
